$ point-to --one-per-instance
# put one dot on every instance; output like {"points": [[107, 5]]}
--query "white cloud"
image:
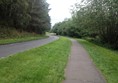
{"points": [[60, 9]]}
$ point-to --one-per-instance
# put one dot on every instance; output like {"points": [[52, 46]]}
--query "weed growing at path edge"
{"points": [[45, 64]]}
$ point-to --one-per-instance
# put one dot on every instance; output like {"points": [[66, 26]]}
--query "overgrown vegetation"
{"points": [[8, 36], [92, 18], [24, 15], [22, 38], [106, 60], [45, 64]]}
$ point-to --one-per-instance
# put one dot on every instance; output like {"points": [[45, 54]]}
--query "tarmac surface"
{"points": [[9, 49], [80, 68]]}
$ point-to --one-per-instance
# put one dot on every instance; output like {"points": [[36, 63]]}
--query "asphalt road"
{"points": [[6, 50]]}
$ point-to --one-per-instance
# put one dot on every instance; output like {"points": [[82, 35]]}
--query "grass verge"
{"points": [[44, 64], [105, 59], [21, 39]]}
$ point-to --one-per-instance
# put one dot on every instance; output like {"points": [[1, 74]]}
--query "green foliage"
{"points": [[99, 18], [44, 64], [66, 28], [106, 60], [27, 15], [8, 35], [40, 20], [14, 13], [94, 18]]}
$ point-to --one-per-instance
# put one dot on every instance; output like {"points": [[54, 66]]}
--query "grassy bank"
{"points": [[8, 36], [45, 64], [106, 60], [21, 39]]}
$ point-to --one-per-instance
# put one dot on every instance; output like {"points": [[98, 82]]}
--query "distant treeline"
{"points": [[25, 15], [95, 19]]}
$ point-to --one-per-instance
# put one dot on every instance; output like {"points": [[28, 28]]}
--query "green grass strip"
{"points": [[44, 64], [21, 39], [105, 59]]}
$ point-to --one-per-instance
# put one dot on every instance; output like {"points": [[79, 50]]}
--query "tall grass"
{"points": [[11, 36], [6, 33]]}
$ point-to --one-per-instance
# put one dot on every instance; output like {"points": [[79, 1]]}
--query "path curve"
{"points": [[80, 68], [10, 49]]}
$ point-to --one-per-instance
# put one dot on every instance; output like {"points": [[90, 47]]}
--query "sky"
{"points": [[60, 9]]}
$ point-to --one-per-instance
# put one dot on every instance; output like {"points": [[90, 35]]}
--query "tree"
{"points": [[98, 18], [66, 28], [40, 20], [93, 18], [14, 13], [28, 15]]}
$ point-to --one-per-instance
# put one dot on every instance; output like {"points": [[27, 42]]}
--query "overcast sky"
{"points": [[60, 9]]}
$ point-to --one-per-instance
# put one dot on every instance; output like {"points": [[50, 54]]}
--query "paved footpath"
{"points": [[9, 49], [80, 68]]}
